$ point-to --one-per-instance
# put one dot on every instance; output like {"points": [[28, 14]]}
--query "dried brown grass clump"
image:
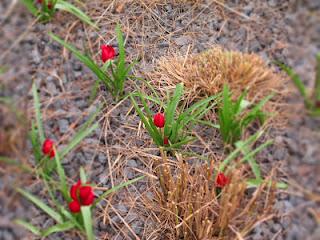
{"points": [[207, 72], [192, 208], [13, 131]]}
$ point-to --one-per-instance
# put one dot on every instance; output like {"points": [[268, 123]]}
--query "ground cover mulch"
{"points": [[275, 30]]}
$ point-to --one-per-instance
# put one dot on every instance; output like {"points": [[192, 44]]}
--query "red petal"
{"points": [[88, 200], [85, 191], [47, 148], [107, 53], [74, 191], [159, 120], [74, 206], [221, 180]]}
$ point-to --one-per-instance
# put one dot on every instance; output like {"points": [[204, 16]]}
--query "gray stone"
{"points": [[63, 125], [132, 163], [129, 173], [51, 87], [316, 234], [184, 40], [103, 226], [102, 158], [121, 208]]}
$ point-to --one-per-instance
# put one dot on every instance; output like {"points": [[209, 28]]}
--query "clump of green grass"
{"points": [[52, 173], [63, 218], [112, 74], [44, 10], [235, 116], [177, 127], [311, 97]]}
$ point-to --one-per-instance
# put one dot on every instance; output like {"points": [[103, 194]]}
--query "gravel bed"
{"points": [[288, 31]]}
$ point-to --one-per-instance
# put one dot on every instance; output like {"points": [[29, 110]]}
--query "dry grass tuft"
{"points": [[207, 72], [13, 132], [190, 207]]}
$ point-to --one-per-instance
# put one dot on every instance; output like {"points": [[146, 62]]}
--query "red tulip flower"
{"points": [[49, 3], [222, 180], [82, 195], [159, 120], [107, 53], [47, 148], [74, 207], [165, 141]]}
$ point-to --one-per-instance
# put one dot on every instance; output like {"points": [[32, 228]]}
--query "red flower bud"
{"points": [[85, 192], [88, 200], [159, 120], [165, 141], [222, 180], [107, 53], [47, 148], [50, 6], [74, 206], [74, 190], [82, 195]]}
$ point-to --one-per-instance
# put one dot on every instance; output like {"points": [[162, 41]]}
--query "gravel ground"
{"points": [[283, 30]]}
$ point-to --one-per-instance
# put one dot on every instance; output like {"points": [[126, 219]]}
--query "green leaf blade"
{"points": [[62, 227], [52, 213], [36, 231], [87, 221], [37, 109]]}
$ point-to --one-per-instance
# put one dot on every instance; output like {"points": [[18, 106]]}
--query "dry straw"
{"points": [[189, 207], [205, 73]]}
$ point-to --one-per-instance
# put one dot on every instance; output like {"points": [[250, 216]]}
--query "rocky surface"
{"points": [[275, 29]]}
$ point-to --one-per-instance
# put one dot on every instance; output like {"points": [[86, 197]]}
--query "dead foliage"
{"points": [[207, 72], [13, 131], [189, 206]]}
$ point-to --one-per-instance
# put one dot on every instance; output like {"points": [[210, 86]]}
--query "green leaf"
{"points": [[17, 163], [62, 177], [92, 118], [84, 59], [83, 176], [170, 111], [87, 221], [28, 226], [226, 113], [253, 183], [58, 228], [37, 109], [239, 149], [36, 145], [180, 144], [52, 213], [296, 80], [68, 7], [116, 188], [72, 218], [150, 127], [252, 162], [30, 6], [255, 151], [77, 139], [120, 40]]}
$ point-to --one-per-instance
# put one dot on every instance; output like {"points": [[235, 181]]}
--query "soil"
{"points": [[288, 31]]}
